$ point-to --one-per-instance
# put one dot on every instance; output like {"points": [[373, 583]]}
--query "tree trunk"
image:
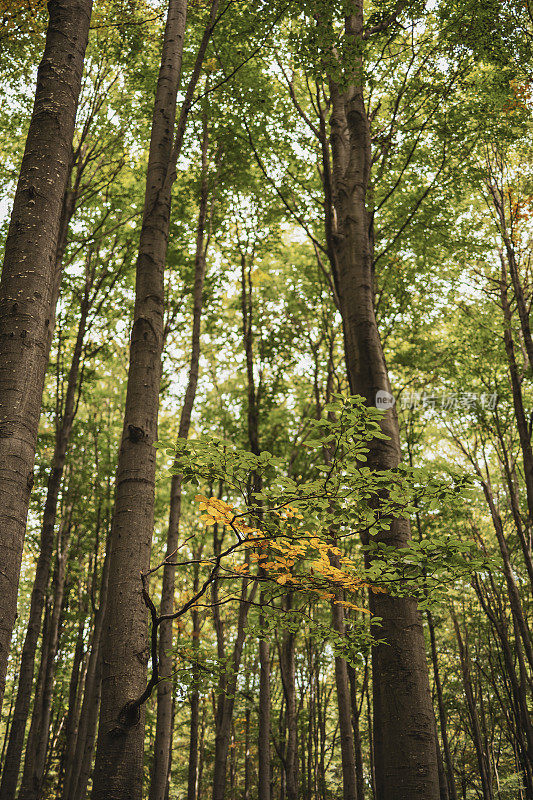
{"points": [[37, 744], [118, 771], [518, 400], [226, 699], [442, 710], [164, 689], [263, 734], [443, 783], [74, 698], [119, 755], [42, 571], [512, 488], [171, 743], [27, 284], [370, 743], [263, 738], [247, 760], [512, 589], [521, 305], [7, 726], [287, 667], [405, 752], [356, 715], [75, 786], [349, 778], [518, 688], [482, 758], [192, 774]]}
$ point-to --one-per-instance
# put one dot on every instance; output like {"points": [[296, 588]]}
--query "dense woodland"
{"points": [[266, 400]]}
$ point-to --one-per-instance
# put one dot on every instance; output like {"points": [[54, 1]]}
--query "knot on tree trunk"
{"points": [[135, 434], [130, 715]]}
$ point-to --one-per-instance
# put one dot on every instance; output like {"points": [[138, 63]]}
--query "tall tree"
{"points": [[27, 283], [405, 752], [120, 746], [119, 754], [64, 422], [163, 732]]}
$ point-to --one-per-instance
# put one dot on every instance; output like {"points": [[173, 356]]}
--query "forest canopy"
{"points": [[266, 400]]}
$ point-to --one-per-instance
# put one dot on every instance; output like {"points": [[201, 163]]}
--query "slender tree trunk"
{"points": [[312, 734], [192, 773], [83, 769], [443, 784], [482, 758], [119, 757], [302, 756], [171, 744], [518, 401], [201, 756], [344, 705], [38, 737], [370, 743], [247, 760], [74, 699], [263, 735], [232, 763], [524, 723], [27, 284], [442, 710], [42, 572], [287, 667], [263, 739], [512, 589], [404, 732], [521, 305], [524, 536], [8, 726], [517, 687], [226, 699], [321, 738], [75, 786], [356, 715], [164, 690]]}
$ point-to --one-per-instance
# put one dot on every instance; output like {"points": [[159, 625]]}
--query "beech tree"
{"points": [[27, 292]]}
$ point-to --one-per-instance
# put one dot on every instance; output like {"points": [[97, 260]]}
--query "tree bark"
{"points": [[37, 744], [192, 770], [482, 758], [356, 715], [518, 400], [164, 689], [226, 698], [405, 752], [349, 778], [512, 589], [7, 727], [253, 398], [518, 688], [521, 305], [452, 791], [27, 284], [524, 535], [247, 760], [263, 737], [119, 755], [74, 697], [76, 788], [42, 572], [118, 771], [288, 678]]}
